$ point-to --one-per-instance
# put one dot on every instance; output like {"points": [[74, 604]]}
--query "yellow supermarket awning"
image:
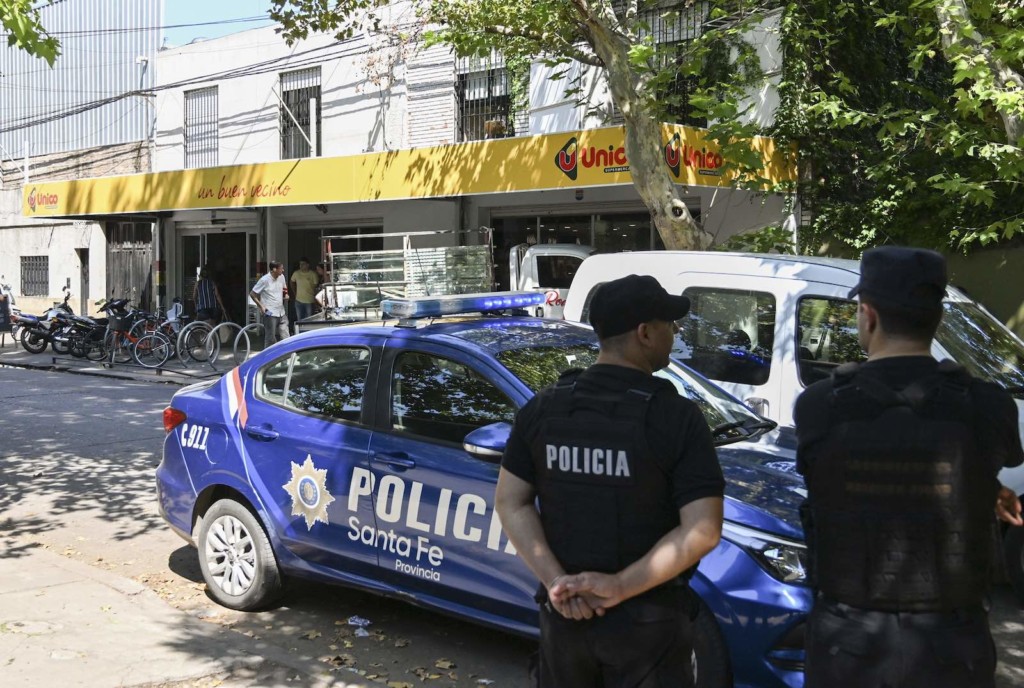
{"points": [[568, 160]]}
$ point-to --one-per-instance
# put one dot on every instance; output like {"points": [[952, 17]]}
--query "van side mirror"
{"points": [[758, 405], [488, 443]]}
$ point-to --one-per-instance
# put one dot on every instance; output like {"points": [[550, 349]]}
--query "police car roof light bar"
{"points": [[453, 304]]}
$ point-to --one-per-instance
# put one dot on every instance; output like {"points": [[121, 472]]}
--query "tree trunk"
{"points": [[644, 147], [958, 31]]}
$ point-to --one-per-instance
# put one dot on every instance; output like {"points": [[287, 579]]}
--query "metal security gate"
{"points": [[129, 262]]}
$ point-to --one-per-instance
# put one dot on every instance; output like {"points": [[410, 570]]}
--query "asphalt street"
{"points": [[77, 459]]}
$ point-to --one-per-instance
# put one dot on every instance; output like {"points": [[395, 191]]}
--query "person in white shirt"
{"points": [[269, 296]]}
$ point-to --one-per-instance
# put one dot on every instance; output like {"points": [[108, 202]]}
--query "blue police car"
{"points": [[367, 455]]}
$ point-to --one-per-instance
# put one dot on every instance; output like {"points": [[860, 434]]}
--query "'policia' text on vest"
{"points": [[588, 461]]}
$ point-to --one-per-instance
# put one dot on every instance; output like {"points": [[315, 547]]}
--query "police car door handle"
{"points": [[398, 460], [263, 433]]}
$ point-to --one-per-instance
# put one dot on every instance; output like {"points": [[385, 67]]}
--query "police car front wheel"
{"points": [[236, 558]]}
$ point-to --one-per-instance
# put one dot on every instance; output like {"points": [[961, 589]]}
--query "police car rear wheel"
{"points": [[1013, 548], [710, 655], [236, 558]]}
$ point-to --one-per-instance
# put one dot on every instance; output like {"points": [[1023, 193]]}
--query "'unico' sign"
{"points": [[41, 199], [572, 155]]}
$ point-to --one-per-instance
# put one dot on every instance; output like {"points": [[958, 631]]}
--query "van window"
{"points": [[556, 272], [728, 334], [585, 311], [826, 337], [981, 345]]}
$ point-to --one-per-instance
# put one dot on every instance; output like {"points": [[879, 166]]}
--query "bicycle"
{"points": [[152, 350]]}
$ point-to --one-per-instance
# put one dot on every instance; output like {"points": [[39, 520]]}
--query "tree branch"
{"points": [[573, 51]]}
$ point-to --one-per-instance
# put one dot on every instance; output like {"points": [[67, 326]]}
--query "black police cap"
{"points": [[912, 278], [621, 305]]}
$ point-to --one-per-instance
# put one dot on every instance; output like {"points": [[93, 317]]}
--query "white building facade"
{"points": [[380, 135]]}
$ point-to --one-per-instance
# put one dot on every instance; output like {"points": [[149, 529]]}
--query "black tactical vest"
{"points": [[902, 502], [604, 499]]}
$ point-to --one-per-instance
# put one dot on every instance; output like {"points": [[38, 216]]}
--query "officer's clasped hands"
{"points": [[585, 595]]}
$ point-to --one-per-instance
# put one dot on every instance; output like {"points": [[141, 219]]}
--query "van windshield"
{"points": [[980, 344]]}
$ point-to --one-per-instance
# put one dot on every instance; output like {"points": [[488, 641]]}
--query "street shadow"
{"points": [[60, 457], [400, 643], [184, 562]]}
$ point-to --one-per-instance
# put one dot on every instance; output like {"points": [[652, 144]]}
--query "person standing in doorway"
{"points": [[304, 287], [269, 296], [209, 306], [615, 543], [901, 455]]}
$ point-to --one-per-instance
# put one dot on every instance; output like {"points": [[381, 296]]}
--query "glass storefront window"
{"points": [[624, 232], [567, 229], [606, 232], [509, 232]]}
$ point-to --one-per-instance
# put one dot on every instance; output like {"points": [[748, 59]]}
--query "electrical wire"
{"points": [[307, 58], [144, 29]]}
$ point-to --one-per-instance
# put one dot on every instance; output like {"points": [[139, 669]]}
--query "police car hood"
{"points": [[762, 488]]}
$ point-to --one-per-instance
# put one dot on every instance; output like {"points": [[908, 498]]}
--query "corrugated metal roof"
{"points": [[108, 48]]}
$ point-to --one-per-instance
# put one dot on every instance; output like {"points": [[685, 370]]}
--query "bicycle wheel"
{"points": [[96, 349], [118, 347], [77, 346], [192, 342], [152, 350], [141, 328]]}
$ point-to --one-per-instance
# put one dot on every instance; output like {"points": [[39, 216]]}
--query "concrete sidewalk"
{"points": [[173, 372], [66, 623]]}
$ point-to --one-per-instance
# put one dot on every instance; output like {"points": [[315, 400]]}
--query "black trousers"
{"points": [[646, 642], [849, 647]]}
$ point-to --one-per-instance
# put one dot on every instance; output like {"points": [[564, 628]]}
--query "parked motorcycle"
{"points": [[38, 331], [86, 336]]}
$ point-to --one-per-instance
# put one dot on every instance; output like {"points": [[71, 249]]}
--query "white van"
{"points": [[764, 327]]}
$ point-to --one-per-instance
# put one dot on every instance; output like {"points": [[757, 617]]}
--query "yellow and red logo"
{"points": [[679, 155], [572, 155], [42, 200], [565, 160]]}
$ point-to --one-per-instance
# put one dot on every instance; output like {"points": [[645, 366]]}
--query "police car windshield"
{"points": [[973, 339], [540, 366]]}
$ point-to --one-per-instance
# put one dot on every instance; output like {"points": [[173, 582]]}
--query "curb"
{"points": [[162, 378]]}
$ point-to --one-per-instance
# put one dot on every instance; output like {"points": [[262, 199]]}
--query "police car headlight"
{"points": [[785, 560]]}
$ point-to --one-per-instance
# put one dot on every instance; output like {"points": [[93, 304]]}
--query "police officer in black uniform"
{"points": [[630, 497], [900, 455]]}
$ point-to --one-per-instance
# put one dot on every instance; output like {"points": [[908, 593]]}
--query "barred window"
{"points": [[673, 27], [35, 275], [483, 94], [201, 138], [300, 113]]}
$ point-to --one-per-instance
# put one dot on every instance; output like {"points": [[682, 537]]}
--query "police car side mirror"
{"points": [[488, 442]]}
